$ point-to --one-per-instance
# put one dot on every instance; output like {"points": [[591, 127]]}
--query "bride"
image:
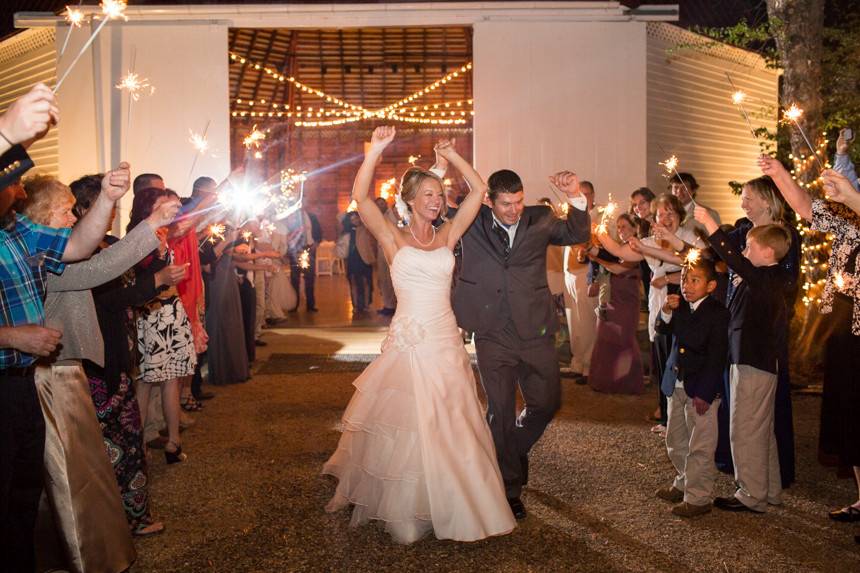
{"points": [[416, 452]]}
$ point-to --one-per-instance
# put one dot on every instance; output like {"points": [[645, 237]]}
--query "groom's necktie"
{"points": [[504, 237]]}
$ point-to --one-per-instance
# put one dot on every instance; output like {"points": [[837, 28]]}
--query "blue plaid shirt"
{"points": [[27, 253]]}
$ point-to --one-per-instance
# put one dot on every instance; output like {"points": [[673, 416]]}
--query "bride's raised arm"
{"points": [[370, 214], [470, 206]]}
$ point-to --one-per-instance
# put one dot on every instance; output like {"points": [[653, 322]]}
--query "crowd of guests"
{"points": [[720, 299], [105, 343], [95, 328]]}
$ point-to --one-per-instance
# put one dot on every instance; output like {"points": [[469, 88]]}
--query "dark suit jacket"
{"points": [[700, 349], [758, 323], [492, 289], [13, 164]]}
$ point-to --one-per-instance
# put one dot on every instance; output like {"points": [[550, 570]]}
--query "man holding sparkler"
{"points": [[684, 186], [502, 295]]}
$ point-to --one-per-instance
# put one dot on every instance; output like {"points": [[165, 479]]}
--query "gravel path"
{"points": [[250, 497]]}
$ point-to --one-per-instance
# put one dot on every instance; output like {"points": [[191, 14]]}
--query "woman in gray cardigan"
{"points": [[82, 493]]}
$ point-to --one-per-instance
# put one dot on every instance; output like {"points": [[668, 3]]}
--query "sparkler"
{"points": [[216, 232], [111, 10], [693, 257], [291, 193], [606, 215], [794, 113], [134, 85], [738, 98], [75, 18], [305, 259], [413, 159], [671, 166], [247, 235], [385, 190], [839, 281], [253, 139], [200, 146]]}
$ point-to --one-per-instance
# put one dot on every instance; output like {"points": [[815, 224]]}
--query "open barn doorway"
{"points": [[317, 93]]}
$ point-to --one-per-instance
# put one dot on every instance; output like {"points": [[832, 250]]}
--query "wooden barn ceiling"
{"points": [[360, 68]]}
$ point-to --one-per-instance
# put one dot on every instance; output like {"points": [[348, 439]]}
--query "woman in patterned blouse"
{"points": [[840, 424]]}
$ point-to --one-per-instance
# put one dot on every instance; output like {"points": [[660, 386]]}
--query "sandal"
{"points": [[190, 404], [848, 514], [147, 529], [176, 456]]}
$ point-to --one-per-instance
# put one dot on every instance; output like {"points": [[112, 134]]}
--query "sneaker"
{"points": [[658, 429], [685, 509], [670, 493]]}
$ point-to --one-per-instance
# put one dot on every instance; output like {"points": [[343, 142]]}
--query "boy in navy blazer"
{"points": [[692, 382], [756, 329]]}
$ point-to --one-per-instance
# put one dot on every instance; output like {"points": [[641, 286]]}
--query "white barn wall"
{"points": [[691, 114], [187, 64], [26, 59], [565, 95]]}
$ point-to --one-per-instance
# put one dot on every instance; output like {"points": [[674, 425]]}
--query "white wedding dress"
{"points": [[416, 451]]}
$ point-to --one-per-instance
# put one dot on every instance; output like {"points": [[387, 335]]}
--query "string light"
{"points": [[430, 87]]}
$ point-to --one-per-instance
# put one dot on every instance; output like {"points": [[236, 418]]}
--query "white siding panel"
{"points": [[25, 59], [691, 115]]}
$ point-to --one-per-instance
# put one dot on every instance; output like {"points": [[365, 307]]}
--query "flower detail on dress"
{"points": [[404, 333]]}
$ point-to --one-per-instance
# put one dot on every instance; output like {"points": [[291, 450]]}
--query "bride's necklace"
{"points": [[433, 238]]}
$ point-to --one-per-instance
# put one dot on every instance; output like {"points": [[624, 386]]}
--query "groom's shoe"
{"points": [[524, 469], [517, 508]]}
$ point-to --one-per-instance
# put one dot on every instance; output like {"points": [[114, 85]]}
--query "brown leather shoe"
{"points": [[685, 509], [671, 494]]}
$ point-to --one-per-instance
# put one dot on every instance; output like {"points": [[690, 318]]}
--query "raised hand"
{"points": [[30, 116], [567, 182], [771, 167], [635, 244], [444, 150], [163, 212], [673, 301], [842, 144], [704, 217], [837, 187], [116, 182], [382, 136]]}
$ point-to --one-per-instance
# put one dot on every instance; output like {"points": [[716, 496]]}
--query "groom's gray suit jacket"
{"points": [[492, 289]]}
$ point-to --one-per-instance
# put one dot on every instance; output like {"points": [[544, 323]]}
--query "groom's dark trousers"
{"points": [[502, 296]]}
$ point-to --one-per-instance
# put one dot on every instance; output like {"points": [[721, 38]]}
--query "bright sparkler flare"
{"points": [[216, 232], [610, 208], [600, 229], [305, 259], [839, 281], [198, 141], [793, 113], [247, 235], [413, 159], [738, 97], [670, 164], [693, 257], [254, 138], [114, 9], [74, 17], [134, 85]]}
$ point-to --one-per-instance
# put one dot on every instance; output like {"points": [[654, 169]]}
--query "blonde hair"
{"points": [[774, 236], [765, 188], [411, 181], [44, 192]]}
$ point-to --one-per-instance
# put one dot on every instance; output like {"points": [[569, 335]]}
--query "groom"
{"points": [[501, 294]]}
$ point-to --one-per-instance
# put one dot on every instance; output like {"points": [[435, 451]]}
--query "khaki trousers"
{"points": [[691, 441], [579, 309], [751, 434]]}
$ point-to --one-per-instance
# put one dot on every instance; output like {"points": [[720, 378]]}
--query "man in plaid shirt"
{"points": [[27, 253]]}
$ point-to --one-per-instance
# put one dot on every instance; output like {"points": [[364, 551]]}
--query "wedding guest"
{"points": [[641, 202], [693, 380], [81, 489], [110, 384], [383, 272], [146, 181], [301, 252], [839, 438], [843, 163], [579, 307], [685, 187], [164, 337], [359, 272], [666, 274], [757, 326], [762, 204], [616, 362], [27, 253]]}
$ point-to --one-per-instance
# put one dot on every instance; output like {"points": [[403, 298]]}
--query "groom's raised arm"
{"points": [[576, 227]]}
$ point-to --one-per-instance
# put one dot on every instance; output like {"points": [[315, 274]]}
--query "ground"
{"points": [[250, 498]]}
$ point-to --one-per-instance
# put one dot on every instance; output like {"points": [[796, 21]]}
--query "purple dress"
{"points": [[616, 362]]}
